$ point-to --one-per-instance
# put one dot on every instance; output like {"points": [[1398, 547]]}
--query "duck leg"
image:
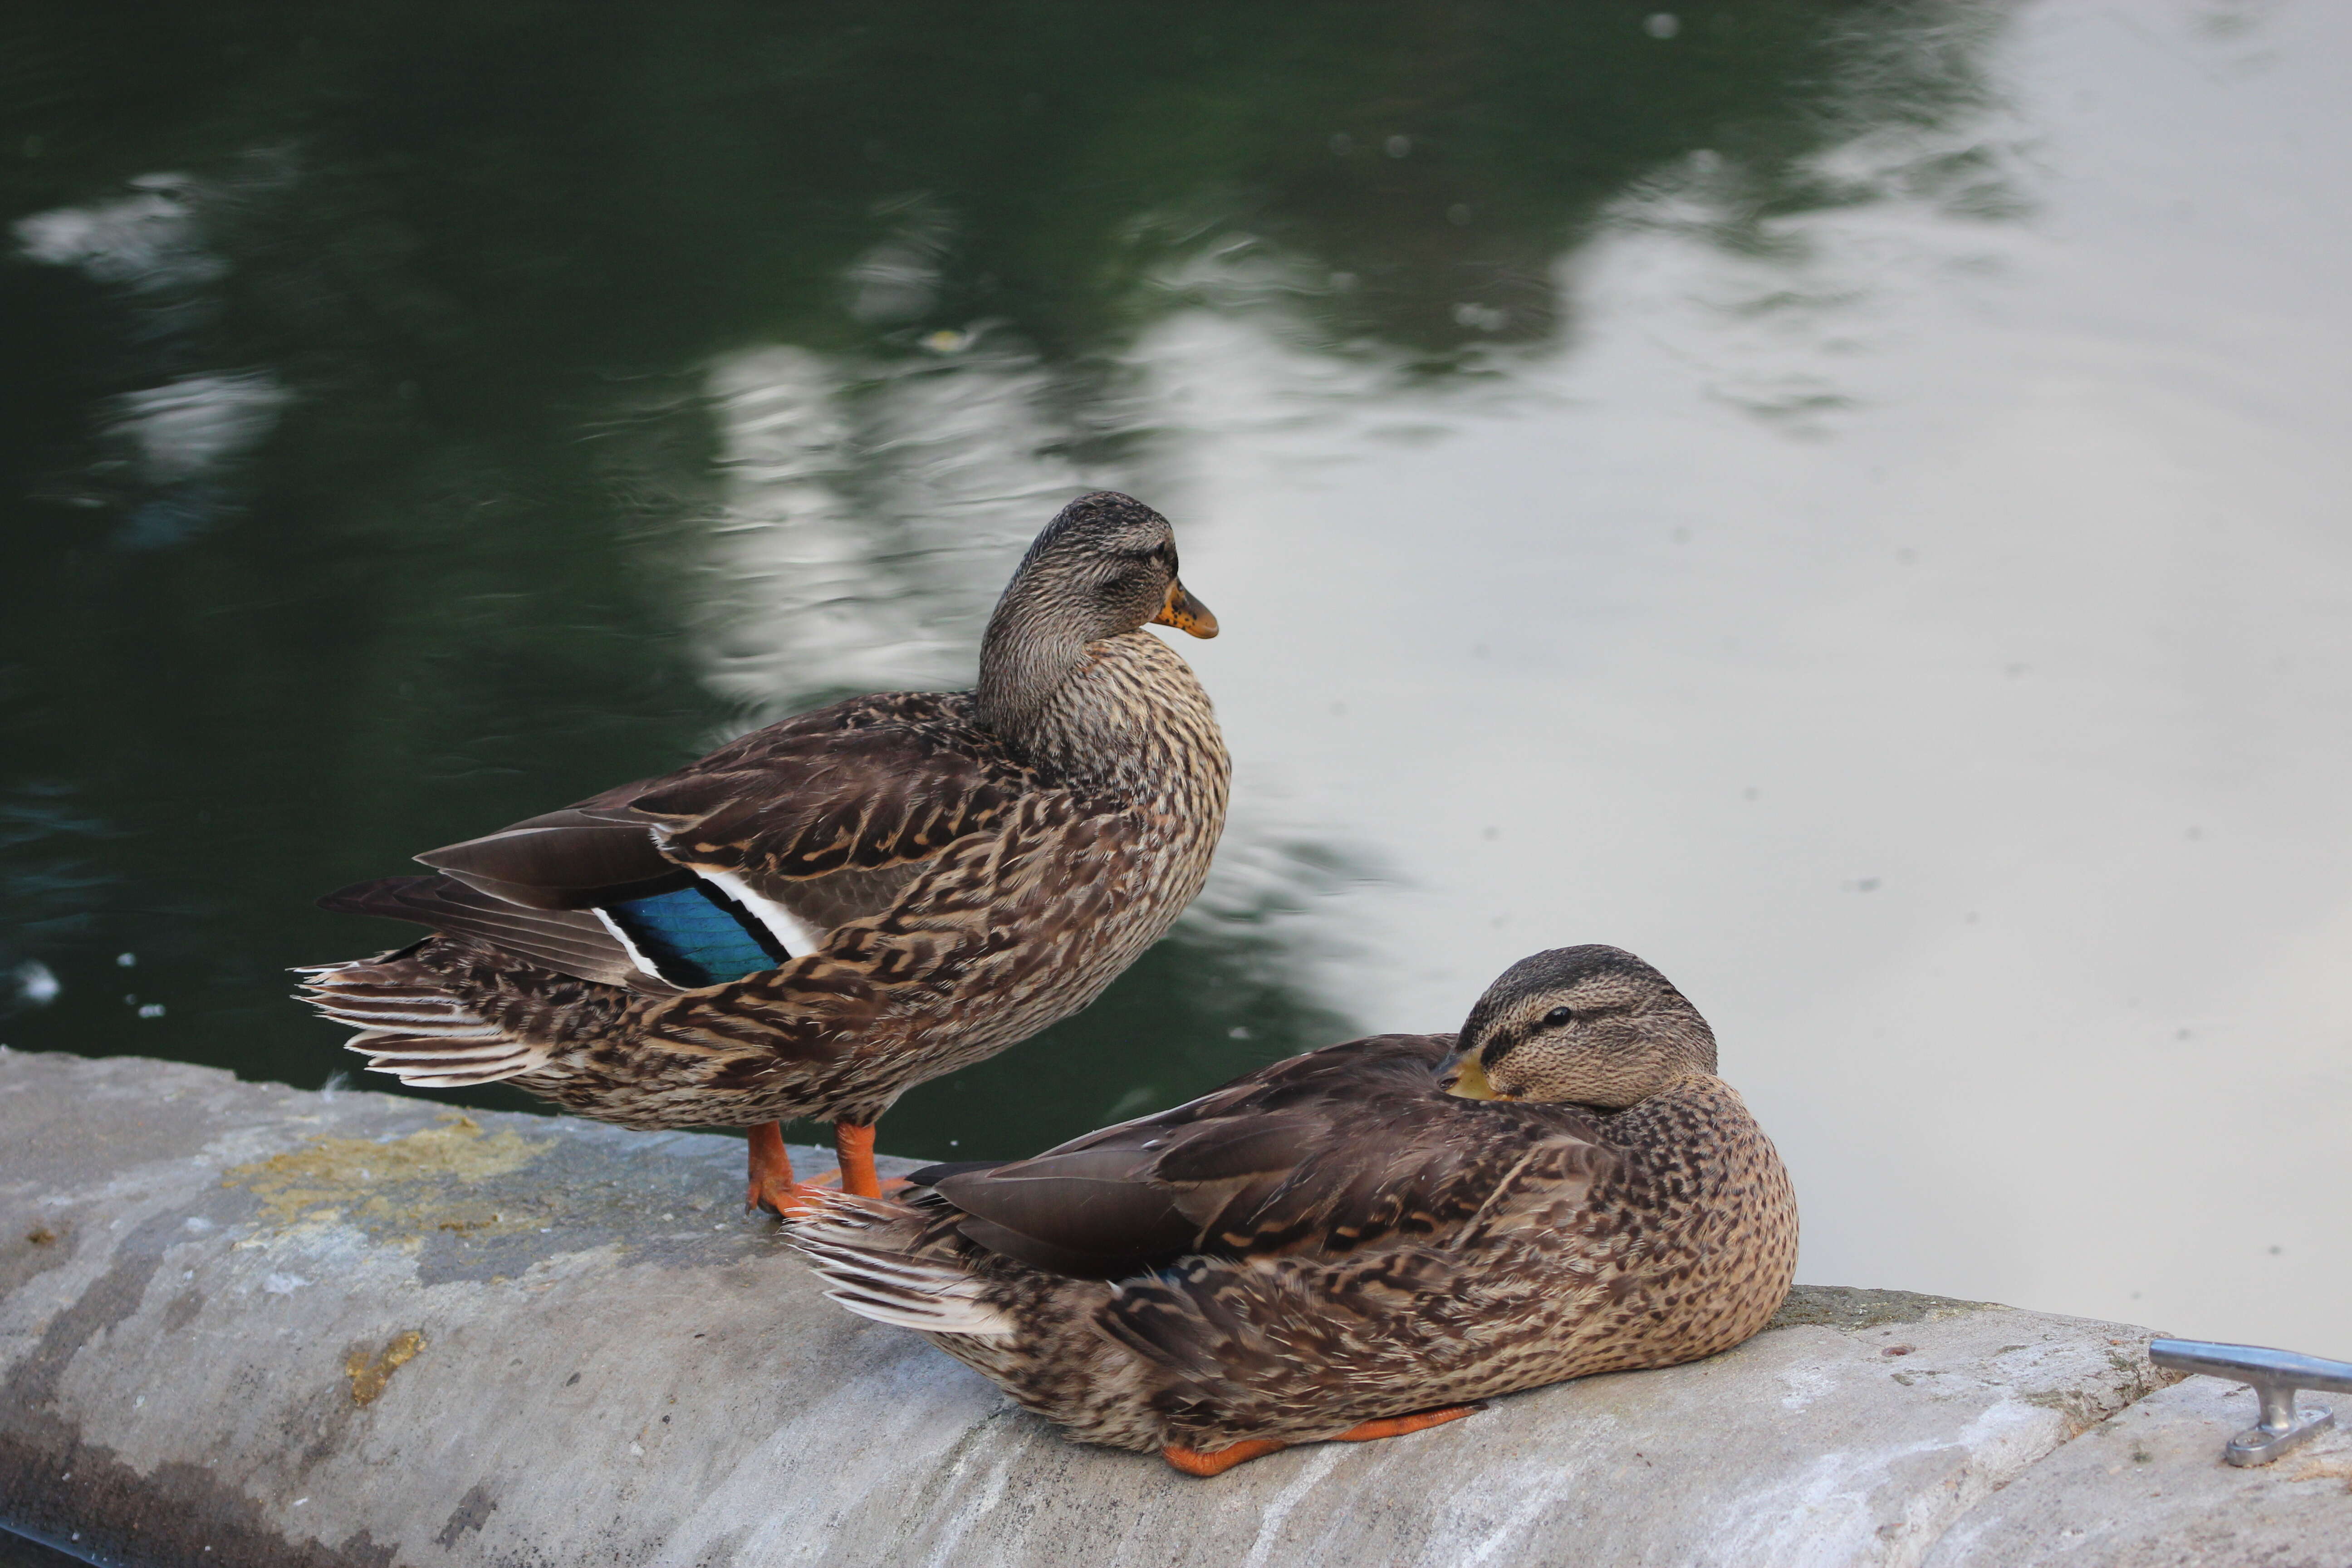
{"points": [[854, 1146], [771, 1185], [853, 1143], [1193, 1462]]}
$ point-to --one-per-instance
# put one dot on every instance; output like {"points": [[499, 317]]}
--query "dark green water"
{"points": [[15, 1552], [1843, 500], [431, 290], [359, 464]]}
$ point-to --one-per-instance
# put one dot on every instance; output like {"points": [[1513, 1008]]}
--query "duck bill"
{"points": [[1466, 1080], [1185, 612]]}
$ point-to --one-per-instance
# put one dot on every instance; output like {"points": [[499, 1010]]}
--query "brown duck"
{"points": [[1361, 1241], [827, 911]]}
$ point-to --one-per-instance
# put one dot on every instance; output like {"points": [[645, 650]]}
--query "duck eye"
{"points": [[1558, 1016]]}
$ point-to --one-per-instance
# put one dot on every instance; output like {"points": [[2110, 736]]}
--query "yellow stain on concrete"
{"points": [[2324, 1466], [403, 1187], [370, 1373]]}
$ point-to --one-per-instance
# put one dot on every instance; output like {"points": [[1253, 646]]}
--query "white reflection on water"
{"points": [[872, 515], [1929, 645], [185, 426], [148, 242], [174, 435]]}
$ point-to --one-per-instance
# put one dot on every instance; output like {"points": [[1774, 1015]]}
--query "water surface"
{"points": [[1841, 499]]}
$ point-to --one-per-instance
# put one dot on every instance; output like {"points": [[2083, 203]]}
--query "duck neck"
{"points": [[1128, 716], [1024, 663], [1694, 1107]]}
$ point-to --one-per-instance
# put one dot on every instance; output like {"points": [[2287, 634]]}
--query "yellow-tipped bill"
{"points": [[1185, 612], [1468, 1080]]}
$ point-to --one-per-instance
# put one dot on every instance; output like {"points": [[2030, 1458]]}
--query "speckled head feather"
{"points": [[1591, 1024], [1101, 522], [1103, 566]]}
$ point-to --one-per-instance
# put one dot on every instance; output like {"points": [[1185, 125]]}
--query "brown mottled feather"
{"points": [[1333, 1240], [866, 784], [966, 898]]}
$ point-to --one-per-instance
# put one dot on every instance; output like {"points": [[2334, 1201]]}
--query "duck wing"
{"points": [[739, 862], [869, 785], [580, 858], [1250, 1345], [1324, 1154], [568, 942], [863, 791]]}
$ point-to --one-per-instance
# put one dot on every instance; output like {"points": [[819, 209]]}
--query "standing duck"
{"points": [[1361, 1241], [827, 911]]}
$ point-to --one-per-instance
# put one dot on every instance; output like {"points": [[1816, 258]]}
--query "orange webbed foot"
{"points": [[1193, 1462], [771, 1185], [784, 1199], [1398, 1425]]}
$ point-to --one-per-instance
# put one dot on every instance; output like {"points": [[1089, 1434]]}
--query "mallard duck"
{"points": [[825, 913], [1358, 1242]]}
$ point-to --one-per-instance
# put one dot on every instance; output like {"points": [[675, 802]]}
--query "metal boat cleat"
{"points": [[2275, 1375]]}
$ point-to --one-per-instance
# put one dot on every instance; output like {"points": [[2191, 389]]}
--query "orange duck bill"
{"points": [[1185, 612]]}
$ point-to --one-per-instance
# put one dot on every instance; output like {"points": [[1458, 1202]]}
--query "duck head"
{"points": [[1590, 1026], [1105, 566]]}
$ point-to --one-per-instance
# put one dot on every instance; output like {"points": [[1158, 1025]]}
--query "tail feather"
{"points": [[874, 1280], [441, 1024], [426, 1048], [413, 1030], [925, 1316]]}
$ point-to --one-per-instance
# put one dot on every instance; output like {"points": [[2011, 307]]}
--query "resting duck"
{"points": [[1357, 1242], [827, 911]]}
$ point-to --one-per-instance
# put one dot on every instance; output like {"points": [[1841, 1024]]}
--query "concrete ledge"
{"points": [[2146, 1488], [247, 1324]]}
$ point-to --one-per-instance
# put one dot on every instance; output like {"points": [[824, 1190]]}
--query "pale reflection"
{"points": [[146, 242], [873, 511], [167, 439], [1887, 616], [1913, 634], [183, 427]]}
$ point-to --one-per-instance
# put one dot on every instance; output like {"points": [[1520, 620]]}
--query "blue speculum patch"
{"points": [[696, 937]]}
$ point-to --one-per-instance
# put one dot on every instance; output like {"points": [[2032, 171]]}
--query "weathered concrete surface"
{"points": [[249, 1324], [2146, 1489]]}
